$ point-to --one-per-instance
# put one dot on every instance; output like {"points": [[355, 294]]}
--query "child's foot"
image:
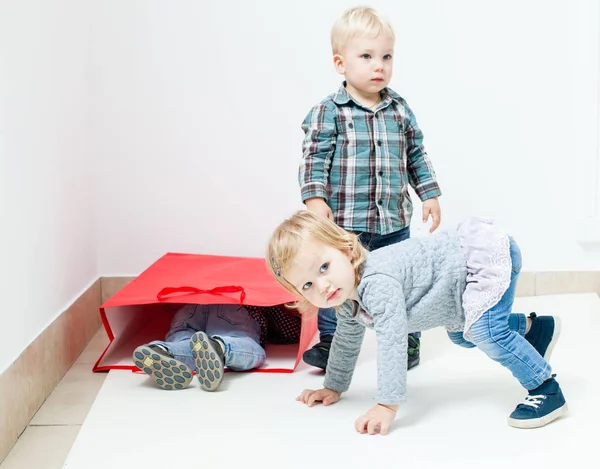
{"points": [[543, 405], [414, 351], [165, 370], [543, 334], [319, 354], [210, 361]]}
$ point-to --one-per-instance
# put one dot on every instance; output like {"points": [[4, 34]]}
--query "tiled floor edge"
{"points": [[27, 382]]}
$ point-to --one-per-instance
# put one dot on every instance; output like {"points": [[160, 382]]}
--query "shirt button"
{"points": [[379, 201], [378, 143], [381, 173], [350, 126]]}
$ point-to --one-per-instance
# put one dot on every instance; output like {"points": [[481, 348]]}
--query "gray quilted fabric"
{"points": [[406, 287]]}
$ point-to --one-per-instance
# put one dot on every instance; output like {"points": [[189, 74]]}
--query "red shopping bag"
{"points": [[142, 310]]}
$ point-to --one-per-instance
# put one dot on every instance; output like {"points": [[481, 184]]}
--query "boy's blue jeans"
{"points": [[232, 324], [500, 334], [327, 321]]}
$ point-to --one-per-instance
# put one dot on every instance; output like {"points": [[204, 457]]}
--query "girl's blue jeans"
{"points": [[500, 334]]}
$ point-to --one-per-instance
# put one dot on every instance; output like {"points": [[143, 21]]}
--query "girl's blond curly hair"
{"points": [[288, 240]]}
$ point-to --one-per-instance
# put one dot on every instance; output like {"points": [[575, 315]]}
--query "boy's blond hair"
{"points": [[358, 22], [289, 237]]}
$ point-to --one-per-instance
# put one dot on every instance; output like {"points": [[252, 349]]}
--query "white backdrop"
{"points": [[129, 128], [198, 106]]}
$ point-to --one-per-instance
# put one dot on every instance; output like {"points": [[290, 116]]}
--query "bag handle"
{"points": [[168, 292]]}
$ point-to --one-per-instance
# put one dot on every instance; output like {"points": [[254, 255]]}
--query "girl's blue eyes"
{"points": [[322, 269]]}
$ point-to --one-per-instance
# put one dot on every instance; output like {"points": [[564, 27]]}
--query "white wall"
{"points": [[132, 128], [199, 105], [48, 242]]}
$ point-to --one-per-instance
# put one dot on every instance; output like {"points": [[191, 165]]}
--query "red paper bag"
{"points": [[142, 310]]}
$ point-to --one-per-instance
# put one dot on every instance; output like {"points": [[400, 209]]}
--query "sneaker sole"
{"points": [[539, 422], [555, 336], [168, 373], [209, 368]]}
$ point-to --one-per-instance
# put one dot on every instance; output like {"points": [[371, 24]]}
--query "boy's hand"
{"points": [[319, 206], [326, 396], [431, 207], [379, 418]]}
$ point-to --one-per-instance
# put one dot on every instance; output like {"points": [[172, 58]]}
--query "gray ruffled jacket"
{"points": [[406, 287]]}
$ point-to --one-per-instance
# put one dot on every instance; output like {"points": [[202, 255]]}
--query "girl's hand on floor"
{"points": [[326, 396], [378, 418]]}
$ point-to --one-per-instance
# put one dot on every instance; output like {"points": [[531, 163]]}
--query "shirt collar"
{"points": [[343, 97]]}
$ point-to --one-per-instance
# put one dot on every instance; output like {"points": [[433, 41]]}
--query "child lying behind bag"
{"points": [[208, 338]]}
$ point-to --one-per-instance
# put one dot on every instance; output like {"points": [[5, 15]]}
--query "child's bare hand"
{"points": [[326, 396], [431, 207], [319, 206], [378, 418]]}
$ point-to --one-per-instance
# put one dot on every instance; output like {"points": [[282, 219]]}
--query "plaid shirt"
{"points": [[362, 161]]}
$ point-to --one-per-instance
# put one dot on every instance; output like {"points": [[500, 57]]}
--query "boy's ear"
{"points": [[338, 63]]}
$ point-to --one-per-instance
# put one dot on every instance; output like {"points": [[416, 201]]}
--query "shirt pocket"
{"points": [[184, 316], [396, 132], [348, 131], [234, 315]]}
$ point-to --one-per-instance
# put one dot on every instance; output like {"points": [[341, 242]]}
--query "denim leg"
{"points": [[373, 241], [326, 322], [180, 350], [459, 339], [492, 334], [240, 333], [242, 353], [516, 322], [186, 322]]}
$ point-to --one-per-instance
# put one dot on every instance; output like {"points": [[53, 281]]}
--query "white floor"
{"points": [[455, 416]]}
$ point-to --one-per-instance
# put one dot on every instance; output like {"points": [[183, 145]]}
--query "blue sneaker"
{"points": [[543, 334], [543, 405]]}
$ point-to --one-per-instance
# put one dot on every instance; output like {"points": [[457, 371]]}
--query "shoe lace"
{"points": [[534, 401]]}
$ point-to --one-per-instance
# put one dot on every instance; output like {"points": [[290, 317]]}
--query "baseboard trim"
{"points": [[530, 283], [558, 283], [29, 380]]}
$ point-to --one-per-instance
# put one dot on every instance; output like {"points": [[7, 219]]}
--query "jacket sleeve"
{"points": [[345, 348], [318, 148], [383, 298]]}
